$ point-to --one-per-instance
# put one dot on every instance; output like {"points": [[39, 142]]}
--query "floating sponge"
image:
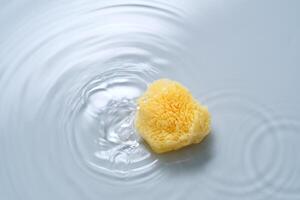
{"points": [[169, 118]]}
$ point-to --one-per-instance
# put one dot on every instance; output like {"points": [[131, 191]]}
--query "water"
{"points": [[70, 74]]}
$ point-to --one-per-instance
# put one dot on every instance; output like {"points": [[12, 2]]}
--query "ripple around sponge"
{"points": [[169, 118]]}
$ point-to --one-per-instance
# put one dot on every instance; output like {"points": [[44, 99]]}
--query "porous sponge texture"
{"points": [[169, 118]]}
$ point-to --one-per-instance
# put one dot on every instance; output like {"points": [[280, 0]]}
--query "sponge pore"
{"points": [[169, 118]]}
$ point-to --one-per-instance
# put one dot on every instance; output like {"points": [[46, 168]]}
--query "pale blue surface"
{"points": [[70, 72]]}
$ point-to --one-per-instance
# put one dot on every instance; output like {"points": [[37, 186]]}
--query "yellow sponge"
{"points": [[169, 118]]}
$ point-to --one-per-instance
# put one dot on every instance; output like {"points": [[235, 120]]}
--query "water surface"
{"points": [[71, 71]]}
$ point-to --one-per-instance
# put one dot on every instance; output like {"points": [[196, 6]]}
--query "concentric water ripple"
{"points": [[70, 74], [253, 148], [103, 132], [275, 163], [235, 116], [69, 79]]}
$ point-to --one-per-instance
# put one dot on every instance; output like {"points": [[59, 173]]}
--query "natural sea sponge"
{"points": [[169, 118]]}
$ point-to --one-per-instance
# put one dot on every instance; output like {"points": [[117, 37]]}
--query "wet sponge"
{"points": [[169, 118]]}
